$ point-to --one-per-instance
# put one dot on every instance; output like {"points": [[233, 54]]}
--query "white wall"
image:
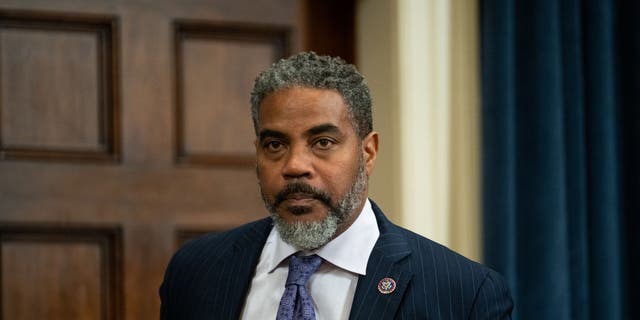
{"points": [[420, 58]]}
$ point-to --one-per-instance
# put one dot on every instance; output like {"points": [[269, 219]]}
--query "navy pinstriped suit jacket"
{"points": [[209, 278]]}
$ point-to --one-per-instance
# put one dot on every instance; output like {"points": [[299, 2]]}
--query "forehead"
{"points": [[302, 107]]}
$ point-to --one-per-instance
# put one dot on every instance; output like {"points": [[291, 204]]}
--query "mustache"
{"points": [[301, 188]]}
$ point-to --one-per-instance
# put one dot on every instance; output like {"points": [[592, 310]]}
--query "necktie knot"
{"points": [[301, 269], [296, 302]]}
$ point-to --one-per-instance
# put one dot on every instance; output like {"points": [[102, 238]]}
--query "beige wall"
{"points": [[421, 60]]}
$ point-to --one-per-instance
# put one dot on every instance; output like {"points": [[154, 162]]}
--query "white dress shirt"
{"points": [[332, 287]]}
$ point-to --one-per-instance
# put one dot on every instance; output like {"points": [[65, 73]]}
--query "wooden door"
{"points": [[124, 131]]}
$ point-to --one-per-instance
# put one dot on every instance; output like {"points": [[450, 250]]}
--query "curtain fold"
{"points": [[561, 133]]}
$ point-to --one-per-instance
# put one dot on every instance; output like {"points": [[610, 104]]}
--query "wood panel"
{"points": [[215, 67], [329, 27], [69, 63], [157, 202], [52, 272]]}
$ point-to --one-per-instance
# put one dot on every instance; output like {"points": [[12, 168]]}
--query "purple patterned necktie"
{"points": [[296, 301]]}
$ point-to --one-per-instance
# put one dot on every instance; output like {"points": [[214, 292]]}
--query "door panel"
{"points": [[124, 131], [59, 97], [36, 267]]}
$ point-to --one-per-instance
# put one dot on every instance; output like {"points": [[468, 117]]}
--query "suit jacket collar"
{"points": [[387, 260], [249, 246]]}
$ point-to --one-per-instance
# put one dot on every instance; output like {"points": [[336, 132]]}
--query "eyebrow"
{"points": [[319, 129], [324, 128], [268, 133]]}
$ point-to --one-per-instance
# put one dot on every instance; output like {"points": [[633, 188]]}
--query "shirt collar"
{"points": [[349, 251]]}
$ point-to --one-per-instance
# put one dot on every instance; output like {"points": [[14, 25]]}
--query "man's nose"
{"points": [[297, 164]]}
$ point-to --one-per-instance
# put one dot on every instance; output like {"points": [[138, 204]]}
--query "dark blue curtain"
{"points": [[561, 155]]}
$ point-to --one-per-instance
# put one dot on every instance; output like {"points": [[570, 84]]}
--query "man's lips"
{"points": [[299, 196], [298, 199]]}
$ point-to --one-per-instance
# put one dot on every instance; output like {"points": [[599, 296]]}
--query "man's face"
{"points": [[311, 164]]}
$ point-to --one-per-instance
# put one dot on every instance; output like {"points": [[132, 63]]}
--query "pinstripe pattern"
{"points": [[210, 276]]}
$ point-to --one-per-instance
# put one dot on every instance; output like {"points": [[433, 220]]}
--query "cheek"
{"points": [[269, 182], [339, 179]]}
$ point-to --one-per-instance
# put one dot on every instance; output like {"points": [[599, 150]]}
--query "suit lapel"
{"points": [[242, 260], [387, 260]]}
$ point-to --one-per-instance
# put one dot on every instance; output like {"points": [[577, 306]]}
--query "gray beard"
{"points": [[309, 235]]}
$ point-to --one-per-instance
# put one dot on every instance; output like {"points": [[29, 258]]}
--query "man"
{"points": [[326, 251]]}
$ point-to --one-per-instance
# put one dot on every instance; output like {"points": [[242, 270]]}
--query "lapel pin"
{"points": [[386, 286]]}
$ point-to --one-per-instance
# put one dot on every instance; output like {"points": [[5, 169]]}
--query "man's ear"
{"points": [[370, 151]]}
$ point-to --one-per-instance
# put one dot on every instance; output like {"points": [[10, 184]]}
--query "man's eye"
{"points": [[273, 146], [324, 143]]}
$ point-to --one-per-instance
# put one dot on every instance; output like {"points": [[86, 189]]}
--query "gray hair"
{"points": [[307, 69]]}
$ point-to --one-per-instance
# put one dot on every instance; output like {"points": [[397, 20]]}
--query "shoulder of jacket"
{"points": [[216, 244]]}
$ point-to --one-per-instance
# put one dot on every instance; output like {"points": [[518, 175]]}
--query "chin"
{"points": [[308, 231]]}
